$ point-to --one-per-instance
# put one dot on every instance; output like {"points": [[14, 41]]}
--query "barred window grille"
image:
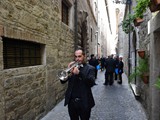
{"points": [[18, 53], [65, 13]]}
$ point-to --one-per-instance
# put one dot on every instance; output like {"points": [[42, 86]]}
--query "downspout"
{"points": [[75, 25], [135, 58], [129, 39]]}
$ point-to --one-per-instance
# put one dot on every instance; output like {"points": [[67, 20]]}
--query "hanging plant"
{"points": [[138, 21], [141, 8], [126, 24], [158, 83]]}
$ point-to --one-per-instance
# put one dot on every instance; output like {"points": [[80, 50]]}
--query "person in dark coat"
{"points": [[116, 63], [120, 69], [94, 62], [110, 68], [102, 60], [79, 96]]}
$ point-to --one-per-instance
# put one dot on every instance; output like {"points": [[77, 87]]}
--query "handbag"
{"points": [[98, 67], [116, 71]]}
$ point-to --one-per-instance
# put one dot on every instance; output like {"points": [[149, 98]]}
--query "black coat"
{"points": [[93, 62], [110, 65], [120, 67], [87, 75]]}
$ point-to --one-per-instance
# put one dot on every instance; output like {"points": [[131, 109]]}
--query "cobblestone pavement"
{"points": [[115, 102]]}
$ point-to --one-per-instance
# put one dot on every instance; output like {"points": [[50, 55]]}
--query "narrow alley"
{"points": [[115, 102], [38, 39]]}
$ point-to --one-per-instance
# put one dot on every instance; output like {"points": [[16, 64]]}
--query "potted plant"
{"points": [[141, 53], [139, 10], [156, 1], [138, 21], [154, 6], [126, 24], [158, 82], [142, 71]]}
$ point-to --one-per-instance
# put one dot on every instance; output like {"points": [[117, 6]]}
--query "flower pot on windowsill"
{"points": [[156, 1], [141, 53], [153, 6], [138, 21], [145, 78]]}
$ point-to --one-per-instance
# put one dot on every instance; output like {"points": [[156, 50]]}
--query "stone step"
{"points": [[135, 90]]}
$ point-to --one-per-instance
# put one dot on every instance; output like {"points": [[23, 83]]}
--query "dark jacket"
{"points": [[120, 67], [116, 62], [102, 61], [93, 62], [87, 77], [110, 65]]}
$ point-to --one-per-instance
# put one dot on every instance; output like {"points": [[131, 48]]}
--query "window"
{"points": [[65, 12], [18, 53]]}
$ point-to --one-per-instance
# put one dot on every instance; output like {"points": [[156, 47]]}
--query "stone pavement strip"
{"points": [[115, 102]]}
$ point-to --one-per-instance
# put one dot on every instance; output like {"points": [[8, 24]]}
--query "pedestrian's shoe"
{"points": [[110, 84], [105, 84], [119, 82], [95, 84]]}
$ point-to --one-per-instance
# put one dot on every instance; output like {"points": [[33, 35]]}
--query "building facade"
{"points": [[144, 37], [37, 39]]}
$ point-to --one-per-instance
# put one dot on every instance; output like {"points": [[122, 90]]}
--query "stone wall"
{"points": [[154, 93], [144, 41], [30, 92], [24, 92]]}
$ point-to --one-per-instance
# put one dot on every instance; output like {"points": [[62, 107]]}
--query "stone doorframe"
{"points": [[82, 39]]}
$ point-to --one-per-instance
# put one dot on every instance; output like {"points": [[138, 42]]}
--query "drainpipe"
{"points": [[75, 25], [129, 39]]}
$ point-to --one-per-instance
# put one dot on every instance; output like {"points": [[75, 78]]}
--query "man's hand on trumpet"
{"points": [[75, 69]]}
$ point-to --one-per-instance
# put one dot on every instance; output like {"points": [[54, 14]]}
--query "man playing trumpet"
{"points": [[79, 96]]}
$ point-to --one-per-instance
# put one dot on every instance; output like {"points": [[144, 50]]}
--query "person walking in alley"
{"points": [[79, 97], [120, 69], [116, 67], [110, 68], [94, 62], [102, 60]]}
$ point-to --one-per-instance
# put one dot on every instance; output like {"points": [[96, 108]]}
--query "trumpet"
{"points": [[63, 74]]}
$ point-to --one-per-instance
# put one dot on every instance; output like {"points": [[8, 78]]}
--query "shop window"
{"points": [[18, 53]]}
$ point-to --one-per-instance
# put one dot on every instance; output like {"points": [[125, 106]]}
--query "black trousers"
{"points": [[77, 110], [109, 78], [120, 77], [115, 75], [96, 71]]}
